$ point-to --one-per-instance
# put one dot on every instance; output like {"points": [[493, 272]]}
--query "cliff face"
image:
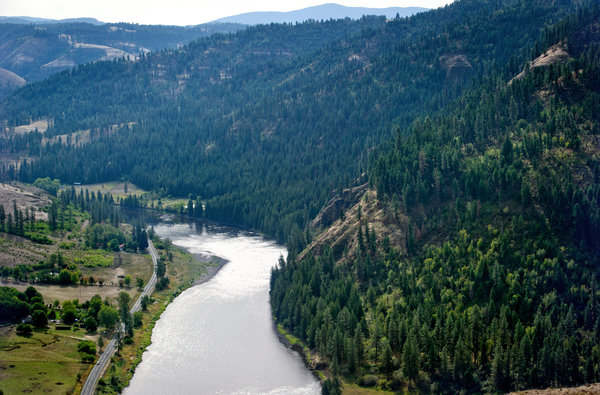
{"points": [[338, 222]]}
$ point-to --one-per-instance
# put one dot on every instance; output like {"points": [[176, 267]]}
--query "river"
{"points": [[218, 337]]}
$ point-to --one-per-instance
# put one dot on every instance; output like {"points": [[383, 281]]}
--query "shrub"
{"points": [[89, 358], [137, 319], [38, 238], [369, 380], [87, 347], [24, 329]]}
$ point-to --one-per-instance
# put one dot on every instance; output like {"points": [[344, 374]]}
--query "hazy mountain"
{"points": [[320, 12], [27, 20]]}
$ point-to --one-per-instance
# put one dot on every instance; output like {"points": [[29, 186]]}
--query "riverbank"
{"points": [[311, 361], [317, 366], [184, 271], [216, 264]]}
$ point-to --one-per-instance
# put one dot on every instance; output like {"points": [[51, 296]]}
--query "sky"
{"points": [[177, 12]]}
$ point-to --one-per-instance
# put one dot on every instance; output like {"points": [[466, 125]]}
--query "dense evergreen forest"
{"points": [[267, 123], [495, 284]]}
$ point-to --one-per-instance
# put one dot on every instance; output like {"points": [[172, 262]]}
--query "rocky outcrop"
{"points": [[455, 65], [555, 54], [332, 210]]}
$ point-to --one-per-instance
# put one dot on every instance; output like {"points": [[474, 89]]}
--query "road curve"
{"points": [[90, 383]]}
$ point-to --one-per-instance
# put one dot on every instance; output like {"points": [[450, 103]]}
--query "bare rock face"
{"points": [[331, 212], [555, 54], [338, 228], [456, 65]]}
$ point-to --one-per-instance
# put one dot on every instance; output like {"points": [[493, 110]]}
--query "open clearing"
{"points": [[583, 390], [135, 265], [61, 293], [40, 363], [15, 250], [26, 196], [353, 389], [115, 188], [41, 126]]}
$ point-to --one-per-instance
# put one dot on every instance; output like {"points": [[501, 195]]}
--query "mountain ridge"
{"points": [[36, 51], [320, 12], [26, 20]]}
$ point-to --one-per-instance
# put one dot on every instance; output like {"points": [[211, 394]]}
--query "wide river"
{"points": [[218, 337]]}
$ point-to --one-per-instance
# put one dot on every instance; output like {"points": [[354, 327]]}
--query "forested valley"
{"points": [[456, 152], [265, 124]]}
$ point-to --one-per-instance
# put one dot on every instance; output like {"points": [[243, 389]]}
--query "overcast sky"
{"points": [[176, 12]]}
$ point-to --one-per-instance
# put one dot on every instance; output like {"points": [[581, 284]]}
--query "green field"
{"points": [[41, 363]]}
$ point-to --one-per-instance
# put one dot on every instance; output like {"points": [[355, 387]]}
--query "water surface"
{"points": [[218, 337]]}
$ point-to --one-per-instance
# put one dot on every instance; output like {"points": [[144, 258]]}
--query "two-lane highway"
{"points": [[90, 384]]}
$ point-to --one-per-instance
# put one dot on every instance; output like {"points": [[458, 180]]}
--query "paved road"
{"points": [[90, 384]]}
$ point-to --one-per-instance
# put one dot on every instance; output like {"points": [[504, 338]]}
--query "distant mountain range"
{"points": [[320, 12], [27, 20]]}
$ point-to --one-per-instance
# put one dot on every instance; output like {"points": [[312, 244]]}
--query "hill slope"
{"points": [[9, 82], [35, 51], [474, 266]]}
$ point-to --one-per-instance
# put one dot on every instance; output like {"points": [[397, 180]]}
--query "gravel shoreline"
{"points": [[212, 270]]}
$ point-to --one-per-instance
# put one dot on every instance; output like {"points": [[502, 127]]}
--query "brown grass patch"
{"points": [[26, 196]]}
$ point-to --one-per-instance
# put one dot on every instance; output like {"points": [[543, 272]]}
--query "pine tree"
{"points": [[410, 358], [52, 216], [190, 207], [2, 218], [387, 362], [9, 223]]}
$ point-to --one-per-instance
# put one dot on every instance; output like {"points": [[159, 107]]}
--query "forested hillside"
{"points": [[490, 282], [267, 123], [36, 51]]}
